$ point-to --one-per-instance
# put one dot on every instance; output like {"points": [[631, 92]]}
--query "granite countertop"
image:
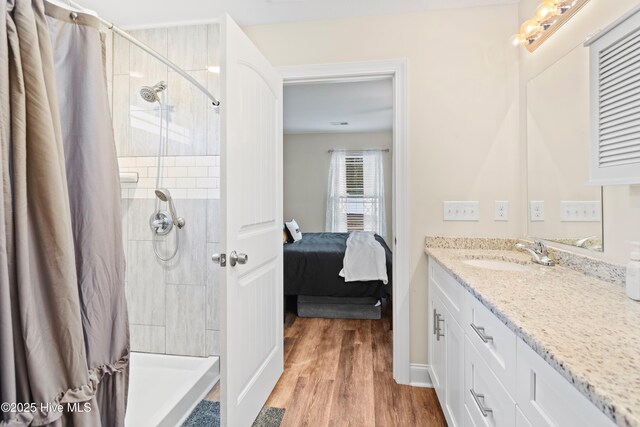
{"points": [[584, 327]]}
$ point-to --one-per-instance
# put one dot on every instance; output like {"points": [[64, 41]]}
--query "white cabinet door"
{"points": [[436, 344], [454, 355], [251, 209], [446, 345]]}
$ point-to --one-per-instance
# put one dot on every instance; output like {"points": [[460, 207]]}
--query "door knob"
{"points": [[235, 257], [219, 259]]}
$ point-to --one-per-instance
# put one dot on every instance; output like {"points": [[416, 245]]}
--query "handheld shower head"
{"points": [[150, 93], [164, 195]]}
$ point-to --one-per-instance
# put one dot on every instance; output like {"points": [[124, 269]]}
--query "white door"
{"points": [[251, 209]]}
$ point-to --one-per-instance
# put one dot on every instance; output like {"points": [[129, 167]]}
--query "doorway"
{"points": [[397, 239]]}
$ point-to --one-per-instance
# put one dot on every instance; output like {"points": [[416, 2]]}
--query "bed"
{"points": [[311, 268]]}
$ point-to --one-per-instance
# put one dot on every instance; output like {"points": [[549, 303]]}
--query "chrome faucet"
{"points": [[539, 253], [582, 243]]}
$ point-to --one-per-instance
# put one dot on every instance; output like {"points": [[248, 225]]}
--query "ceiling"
{"points": [[367, 106], [128, 13]]}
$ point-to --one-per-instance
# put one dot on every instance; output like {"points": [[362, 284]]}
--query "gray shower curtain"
{"points": [[63, 324]]}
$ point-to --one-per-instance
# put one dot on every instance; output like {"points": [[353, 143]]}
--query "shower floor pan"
{"points": [[164, 389]]}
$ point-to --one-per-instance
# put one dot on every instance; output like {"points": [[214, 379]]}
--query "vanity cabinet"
{"points": [[447, 360], [484, 375]]}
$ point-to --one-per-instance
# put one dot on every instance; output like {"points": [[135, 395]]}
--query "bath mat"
{"points": [[207, 414]]}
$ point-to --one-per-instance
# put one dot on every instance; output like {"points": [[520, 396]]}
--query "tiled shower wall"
{"points": [[173, 306]]}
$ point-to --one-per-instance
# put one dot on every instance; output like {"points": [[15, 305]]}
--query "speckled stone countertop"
{"points": [[585, 328]]}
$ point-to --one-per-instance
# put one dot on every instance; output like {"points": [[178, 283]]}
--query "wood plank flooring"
{"points": [[338, 373]]}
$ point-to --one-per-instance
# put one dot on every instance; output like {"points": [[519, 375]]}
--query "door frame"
{"points": [[362, 71]]}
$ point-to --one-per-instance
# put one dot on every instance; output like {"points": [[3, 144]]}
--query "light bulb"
{"points": [[546, 10], [530, 27], [517, 40]]}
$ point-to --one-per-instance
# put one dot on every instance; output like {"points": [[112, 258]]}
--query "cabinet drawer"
{"points": [[452, 291], [487, 401], [495, 342], [546, 398]]}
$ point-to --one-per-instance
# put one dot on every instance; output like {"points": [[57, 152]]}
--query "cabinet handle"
{"points": [[483, 409], [435, 322], [480, 331], [439, 333]]}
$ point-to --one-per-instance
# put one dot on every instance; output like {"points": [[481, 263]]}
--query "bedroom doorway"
{"points": [[356, 110]]}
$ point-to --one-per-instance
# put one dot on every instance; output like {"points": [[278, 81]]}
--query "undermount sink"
{"points": [[499, 265]]}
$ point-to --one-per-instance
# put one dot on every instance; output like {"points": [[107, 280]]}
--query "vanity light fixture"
{"points": [[550, 16]]}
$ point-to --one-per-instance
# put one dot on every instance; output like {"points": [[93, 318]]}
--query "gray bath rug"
{"points": [[207, 414]]}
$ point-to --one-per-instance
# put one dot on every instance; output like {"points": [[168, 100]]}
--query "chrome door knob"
{"points": [[219, 259], [236, 258]]}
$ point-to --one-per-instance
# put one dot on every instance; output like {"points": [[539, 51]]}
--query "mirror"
{"points": [[562, 206]]}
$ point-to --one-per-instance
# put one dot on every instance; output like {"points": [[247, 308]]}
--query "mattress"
{"points": [[311, 268]]}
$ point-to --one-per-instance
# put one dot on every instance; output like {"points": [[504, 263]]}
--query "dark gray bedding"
{"points": [[311, 268]]}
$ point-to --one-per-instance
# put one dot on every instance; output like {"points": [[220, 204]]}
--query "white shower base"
{"points": [[163, 389]]}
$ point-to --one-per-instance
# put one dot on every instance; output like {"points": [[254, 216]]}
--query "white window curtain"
{"points": [[355, 199]]}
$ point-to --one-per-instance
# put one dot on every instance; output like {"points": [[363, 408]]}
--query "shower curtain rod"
{"points": [[384, 150], [111, 26]]}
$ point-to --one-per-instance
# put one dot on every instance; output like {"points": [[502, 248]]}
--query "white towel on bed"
{"points": [[364, 259]]}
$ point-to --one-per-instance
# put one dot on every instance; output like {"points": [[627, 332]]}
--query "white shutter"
{"points": [[615, 97]]}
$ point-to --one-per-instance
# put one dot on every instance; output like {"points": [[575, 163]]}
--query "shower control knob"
{"points": [[236, 258]]}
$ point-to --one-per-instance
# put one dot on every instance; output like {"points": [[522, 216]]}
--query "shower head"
{"points": [[163, 194], [150, 93]]}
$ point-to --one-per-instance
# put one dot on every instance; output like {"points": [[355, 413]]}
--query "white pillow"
{"points": [[294, 230]]}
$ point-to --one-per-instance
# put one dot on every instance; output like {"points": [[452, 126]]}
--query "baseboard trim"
{"points": [[421, 375]]}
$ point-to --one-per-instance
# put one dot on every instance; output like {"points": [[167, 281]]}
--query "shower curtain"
{"points": [[63, 325]]}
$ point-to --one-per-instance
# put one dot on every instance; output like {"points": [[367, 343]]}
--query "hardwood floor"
{"points": [[338, 373]]}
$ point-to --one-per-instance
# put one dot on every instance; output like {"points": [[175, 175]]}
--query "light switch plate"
{"points": [[502, 210], [575, 211], [461, 211], [536, 211]]}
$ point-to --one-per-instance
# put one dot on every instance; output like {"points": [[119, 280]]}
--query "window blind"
{"points": [[355, 199]]}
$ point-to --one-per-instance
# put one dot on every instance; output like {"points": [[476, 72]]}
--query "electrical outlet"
{"points": [[580, 211], [461, 211], [502, 211], [536, 211]]}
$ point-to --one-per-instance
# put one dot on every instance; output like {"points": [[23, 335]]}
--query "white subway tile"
{"points": [[196, 193], [168, 182], [186, 183], [179, 193], [146, 161], [185, 160], [198, 171], [168, 161], [126, 162], [205, 183], [213, 193], [146, 183], [205, 161], [176, 172]]}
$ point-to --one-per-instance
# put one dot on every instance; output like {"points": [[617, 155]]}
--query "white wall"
{"points": [[306, 173], [621, 203], [463, 114]]}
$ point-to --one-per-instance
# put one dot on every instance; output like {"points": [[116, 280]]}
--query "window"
{"points": [[355, 199]]}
